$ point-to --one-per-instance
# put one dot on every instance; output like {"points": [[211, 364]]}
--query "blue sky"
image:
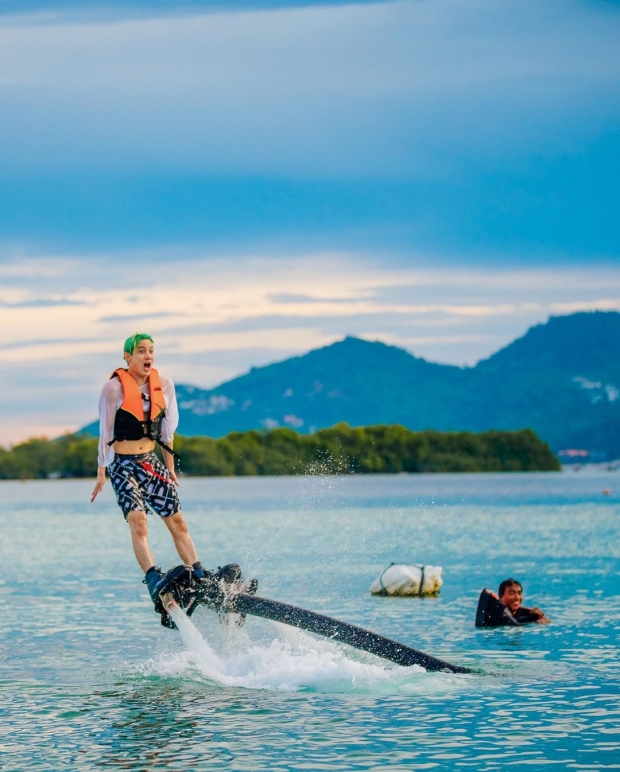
{"points": [[257, 179]]}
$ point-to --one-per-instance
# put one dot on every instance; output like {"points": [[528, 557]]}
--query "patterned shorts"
{"points": [[143, 483]]}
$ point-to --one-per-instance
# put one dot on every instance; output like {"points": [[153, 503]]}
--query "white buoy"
{"points": [[408, 580]]}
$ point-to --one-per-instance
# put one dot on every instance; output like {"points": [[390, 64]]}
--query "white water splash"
{"points": [[286, 659]]}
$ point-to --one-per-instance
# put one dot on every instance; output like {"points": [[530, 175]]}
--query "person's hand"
{"points": [[99, 484], [173, 477], [541, 619]]}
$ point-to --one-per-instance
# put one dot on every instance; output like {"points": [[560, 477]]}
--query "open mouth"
{"points": [[147, 366]]}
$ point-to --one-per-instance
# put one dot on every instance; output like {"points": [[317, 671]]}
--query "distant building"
{"points": [[580, 456]]}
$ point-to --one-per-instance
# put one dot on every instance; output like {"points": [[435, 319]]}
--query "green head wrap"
{"points": [[132, 343]]}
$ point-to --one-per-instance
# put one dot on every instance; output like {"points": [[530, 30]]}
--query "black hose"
{"points": [[243, 603]]}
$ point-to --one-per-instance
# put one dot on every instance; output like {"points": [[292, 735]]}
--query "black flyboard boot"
{"points": [[152, 578], [190, 586], [175, 586], [214, 587], [200, 572]]}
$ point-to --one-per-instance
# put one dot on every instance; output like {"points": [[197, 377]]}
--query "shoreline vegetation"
{"points": [[339, 450]]}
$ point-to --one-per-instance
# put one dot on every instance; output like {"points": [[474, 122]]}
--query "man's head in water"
{"points": [[511, 594], [139, 353]]}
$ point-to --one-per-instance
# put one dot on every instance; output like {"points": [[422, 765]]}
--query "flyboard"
{"points": [[226, 592]]}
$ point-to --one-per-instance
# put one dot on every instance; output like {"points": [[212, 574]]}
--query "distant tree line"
{"points": [[339, 450]]}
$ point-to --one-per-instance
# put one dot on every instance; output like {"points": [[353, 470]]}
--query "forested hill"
{"points": [[340, 450], [561, 379]]}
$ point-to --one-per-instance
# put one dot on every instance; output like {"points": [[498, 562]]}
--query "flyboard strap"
{"points": [[161, 445], [159, 442], [167, 449]]}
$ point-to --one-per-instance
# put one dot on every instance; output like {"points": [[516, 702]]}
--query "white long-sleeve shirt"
{"points": [[112, 398]]}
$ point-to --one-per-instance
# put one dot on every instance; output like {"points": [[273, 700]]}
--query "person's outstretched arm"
{"points": [[169, 426], [108, 403]]}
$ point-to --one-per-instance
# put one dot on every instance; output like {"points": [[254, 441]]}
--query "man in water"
{"points": [[138, 408], [510, 593]]}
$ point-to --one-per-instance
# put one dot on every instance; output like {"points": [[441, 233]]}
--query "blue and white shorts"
{"points": [[143, 483]]}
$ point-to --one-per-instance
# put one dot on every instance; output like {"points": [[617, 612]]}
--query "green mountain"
{"points": [[561, 379]]}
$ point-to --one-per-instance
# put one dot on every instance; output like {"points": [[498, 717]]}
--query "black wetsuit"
{"points": [[491, 612]]}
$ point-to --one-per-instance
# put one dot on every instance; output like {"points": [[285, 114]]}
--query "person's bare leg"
{"points": [[139, 539], [182, 540]]}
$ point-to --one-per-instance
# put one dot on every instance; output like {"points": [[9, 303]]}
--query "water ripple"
{"points": [[90, 682]]}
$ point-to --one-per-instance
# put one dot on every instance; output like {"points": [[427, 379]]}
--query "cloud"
{"points": [[214, 318], [43, 344], [41, 303], [137, 317], [389, 170], [283, 297], [46, 11], [484, 128], [395, 89]]}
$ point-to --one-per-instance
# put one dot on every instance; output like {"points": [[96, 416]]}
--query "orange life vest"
{"points": [[130, 422]]}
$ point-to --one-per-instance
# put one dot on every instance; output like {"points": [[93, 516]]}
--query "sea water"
{"points": [[90, 681]]}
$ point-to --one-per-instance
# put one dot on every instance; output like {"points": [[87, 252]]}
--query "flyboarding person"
{"points": [[138, 408]]}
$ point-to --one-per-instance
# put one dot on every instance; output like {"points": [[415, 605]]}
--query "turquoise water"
{"points": [[90, 681]]}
